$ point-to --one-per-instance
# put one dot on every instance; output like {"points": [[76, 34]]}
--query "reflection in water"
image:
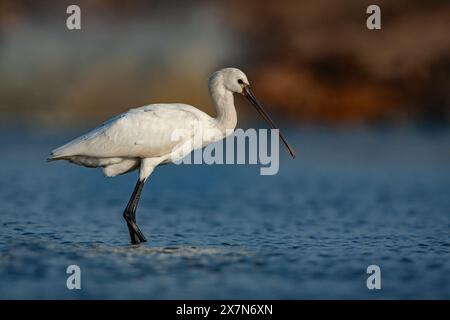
{"points": [[139, 251]]}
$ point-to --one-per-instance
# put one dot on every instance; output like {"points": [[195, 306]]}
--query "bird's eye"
{"points": [[240, 81]]}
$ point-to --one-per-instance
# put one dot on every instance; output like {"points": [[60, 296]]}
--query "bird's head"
{"points": [[235, 81]]}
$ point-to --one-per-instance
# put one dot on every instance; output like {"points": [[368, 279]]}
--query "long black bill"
{"points": [[247, 92]]}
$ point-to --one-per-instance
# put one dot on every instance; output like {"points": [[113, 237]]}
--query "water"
{"points": [[351, 199]]}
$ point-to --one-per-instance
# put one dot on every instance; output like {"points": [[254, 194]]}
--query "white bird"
{"points": [[144, 137]]}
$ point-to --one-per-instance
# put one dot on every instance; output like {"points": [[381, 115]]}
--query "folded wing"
{"points": [[149, 131]]}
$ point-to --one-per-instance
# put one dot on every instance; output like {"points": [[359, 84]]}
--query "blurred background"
{"points": [[314, 62], [367, 113]]}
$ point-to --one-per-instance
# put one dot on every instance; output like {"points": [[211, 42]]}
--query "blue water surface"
{"points": [[351, 199]]}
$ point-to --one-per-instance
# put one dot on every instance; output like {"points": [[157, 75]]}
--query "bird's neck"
{"points": [[226, 116]]}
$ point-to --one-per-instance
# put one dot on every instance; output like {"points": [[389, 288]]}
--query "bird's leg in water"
{"points": [[129, 214]]}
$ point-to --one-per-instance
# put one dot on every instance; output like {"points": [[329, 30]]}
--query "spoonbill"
{"points": [[143, 137]]}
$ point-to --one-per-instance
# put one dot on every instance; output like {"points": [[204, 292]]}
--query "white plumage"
{"points": [[142, 133], [155, 134]]}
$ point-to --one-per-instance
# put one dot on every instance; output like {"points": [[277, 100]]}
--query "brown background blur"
{"points": [[311, 61]]}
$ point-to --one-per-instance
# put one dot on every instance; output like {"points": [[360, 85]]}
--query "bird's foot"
{"points": [[136, 234], [140, 235]]}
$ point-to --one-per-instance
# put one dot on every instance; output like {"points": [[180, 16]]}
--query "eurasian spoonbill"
{"points": [[143, 137]]}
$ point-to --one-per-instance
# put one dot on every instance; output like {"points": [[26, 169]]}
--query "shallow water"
{"points": [[351, 199]]}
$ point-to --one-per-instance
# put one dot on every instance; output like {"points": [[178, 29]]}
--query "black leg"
{"points": [[129, 214]]}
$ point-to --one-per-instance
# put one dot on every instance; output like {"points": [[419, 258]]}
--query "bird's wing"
{"points": [[149, 131]]}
